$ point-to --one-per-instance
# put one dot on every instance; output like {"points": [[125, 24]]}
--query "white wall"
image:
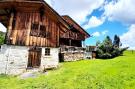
{"points": [[50, 61], [13, 59]]}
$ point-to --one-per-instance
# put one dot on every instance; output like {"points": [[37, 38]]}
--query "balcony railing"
{"points": [[72, 49]]}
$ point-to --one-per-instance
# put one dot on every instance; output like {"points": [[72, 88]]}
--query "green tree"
{"points": [[116, 42], [2, 37], [107, 50]]}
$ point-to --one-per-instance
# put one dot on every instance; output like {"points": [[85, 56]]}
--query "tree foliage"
{"points": [[2, 38], [107, 49], [116, 41]]}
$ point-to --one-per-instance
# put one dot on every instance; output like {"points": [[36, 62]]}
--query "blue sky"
{"points": [[100, 18], [106, 29]]}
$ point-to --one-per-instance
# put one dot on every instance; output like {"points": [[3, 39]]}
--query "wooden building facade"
{"points": [[33, 24]]}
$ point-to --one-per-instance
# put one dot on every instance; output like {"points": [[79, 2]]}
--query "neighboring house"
{"points": [[90, 52], [35, 35], [71, 41]]}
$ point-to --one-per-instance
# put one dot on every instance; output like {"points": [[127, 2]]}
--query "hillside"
{"points": [[117, 73]]}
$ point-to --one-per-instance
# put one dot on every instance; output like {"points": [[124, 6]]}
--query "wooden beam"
{"points": [[28, 32], [9, 29]]}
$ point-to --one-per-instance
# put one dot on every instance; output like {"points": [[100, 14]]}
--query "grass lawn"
{"points": [[117, 73]]}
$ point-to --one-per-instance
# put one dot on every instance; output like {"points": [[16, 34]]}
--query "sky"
{"points": [[100, 18]]}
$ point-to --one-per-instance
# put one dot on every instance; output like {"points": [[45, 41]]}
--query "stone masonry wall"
{"points": [[50, 61], [69, 56], [13, 59]]}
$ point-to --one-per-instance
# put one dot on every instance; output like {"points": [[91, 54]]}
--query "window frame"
{"points": [[47, 52], [34, 29], [42, 31]]}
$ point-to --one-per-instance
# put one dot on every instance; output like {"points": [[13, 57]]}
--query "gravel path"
{"points": [[28, 75]]}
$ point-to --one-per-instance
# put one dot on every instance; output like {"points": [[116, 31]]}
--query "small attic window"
{"points": [[42, 28], [34, 26], [34, 29], [42, 31]]}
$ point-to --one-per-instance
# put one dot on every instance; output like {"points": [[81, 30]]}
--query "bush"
{"points": [[2, 38], [107, 49]]}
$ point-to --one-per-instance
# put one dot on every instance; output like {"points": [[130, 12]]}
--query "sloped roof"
{"points": [[6, 5], [71, 22]]}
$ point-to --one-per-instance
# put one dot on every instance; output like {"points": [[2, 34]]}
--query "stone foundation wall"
{"points": [[69, 56], [50, 61], [13, 59]]}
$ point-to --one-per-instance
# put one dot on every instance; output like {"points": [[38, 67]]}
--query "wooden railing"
{"points": [[73, 35], [65, 49]]}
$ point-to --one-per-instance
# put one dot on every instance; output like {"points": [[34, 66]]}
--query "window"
{"points": [[34, 29], [39, 31], [47, 51], [48, 35], [42, 31], [34, 26]]}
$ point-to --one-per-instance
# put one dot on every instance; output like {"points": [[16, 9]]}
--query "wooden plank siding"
{"points": [[23, 27]]}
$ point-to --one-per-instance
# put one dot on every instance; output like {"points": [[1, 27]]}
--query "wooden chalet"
{"points": [[36, 32], [75, 35]]}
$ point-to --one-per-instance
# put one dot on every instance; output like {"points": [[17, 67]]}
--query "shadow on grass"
{"points": [[111, 58], [4, 76]]}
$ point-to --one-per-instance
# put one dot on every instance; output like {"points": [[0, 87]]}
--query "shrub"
{"points": [[2, 38], [107, 49]]}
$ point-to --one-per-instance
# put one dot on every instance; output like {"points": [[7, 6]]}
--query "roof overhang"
{"points": [[71, 22], [29, 6]]}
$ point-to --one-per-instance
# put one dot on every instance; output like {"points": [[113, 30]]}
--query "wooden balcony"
{"points": [[71, 49], [73, 35]]}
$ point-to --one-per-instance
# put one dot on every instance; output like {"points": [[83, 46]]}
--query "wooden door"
{"points": [[34, 59]]}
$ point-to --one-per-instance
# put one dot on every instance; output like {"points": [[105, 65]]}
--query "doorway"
{"points": [[34, 57]]}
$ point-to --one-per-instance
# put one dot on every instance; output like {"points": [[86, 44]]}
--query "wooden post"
{"points": [[83, 43], [9, 29], [70, 42], [28, 31]]}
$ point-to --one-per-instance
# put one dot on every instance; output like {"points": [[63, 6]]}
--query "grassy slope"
{"points": [[118, 73]]}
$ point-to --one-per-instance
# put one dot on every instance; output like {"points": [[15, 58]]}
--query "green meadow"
{"points": [[117, 73]]}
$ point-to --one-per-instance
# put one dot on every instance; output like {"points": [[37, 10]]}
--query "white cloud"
{"points": [[94, 22], [78, 10], [96, 34], [128, 38], [2, 28], [105, 32], [120, 10]]}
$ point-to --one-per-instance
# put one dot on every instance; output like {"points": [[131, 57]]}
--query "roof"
{"points": [[7, 5], [71, 22]]}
